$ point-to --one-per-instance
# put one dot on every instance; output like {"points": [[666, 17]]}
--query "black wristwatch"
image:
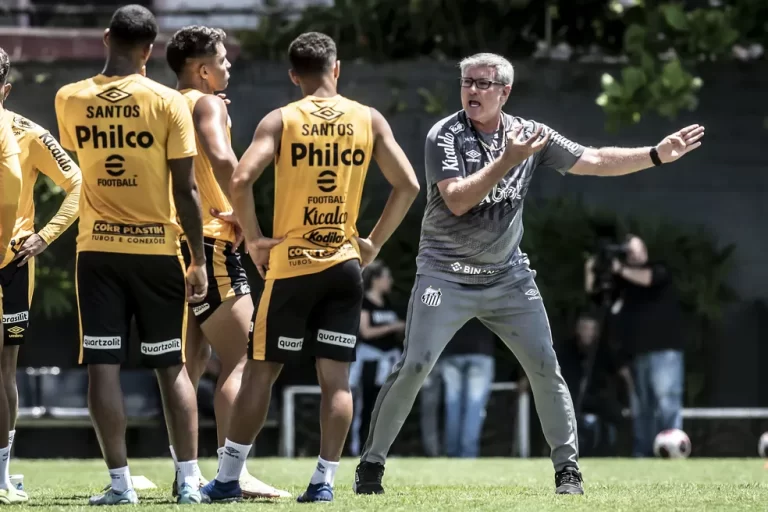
{"points": [[655, 156]]}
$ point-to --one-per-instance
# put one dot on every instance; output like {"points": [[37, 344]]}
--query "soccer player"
{"points": [[322, 146], [10, 191], [40, 153], [222, 320], [135, 143], [479, 164]]}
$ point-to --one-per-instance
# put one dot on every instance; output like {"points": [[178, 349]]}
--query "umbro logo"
{"points": [[474, 156], [327, 113], [113, 95], [533, 294]]}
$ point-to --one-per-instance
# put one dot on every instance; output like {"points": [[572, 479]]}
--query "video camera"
{"points": [[607, 251]]}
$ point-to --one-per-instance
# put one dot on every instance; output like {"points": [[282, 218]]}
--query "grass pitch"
{"points": [[442, 484]]}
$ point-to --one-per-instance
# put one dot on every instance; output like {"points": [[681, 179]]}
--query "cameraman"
{"points": [[649, 328]]}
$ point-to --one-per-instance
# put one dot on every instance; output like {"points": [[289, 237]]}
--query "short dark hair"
{"points": [[374, 270], [191, 43], [312, 53], [133, 25], [5, 66]]}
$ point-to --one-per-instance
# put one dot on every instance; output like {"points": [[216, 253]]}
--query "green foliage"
{"points": [[54, 268], [663, 43]]}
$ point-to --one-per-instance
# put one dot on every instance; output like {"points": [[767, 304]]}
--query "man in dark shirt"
{"points": [[650, 329]]}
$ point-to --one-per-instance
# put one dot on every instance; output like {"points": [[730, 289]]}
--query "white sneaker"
{"points": [[256, 489]]}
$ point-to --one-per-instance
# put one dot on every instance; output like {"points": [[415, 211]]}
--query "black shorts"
{"points": [[16, 287], [226, 276], [112, 288], [322, 309]]}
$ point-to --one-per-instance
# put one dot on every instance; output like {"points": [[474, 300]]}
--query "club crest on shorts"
{"points": [[432, 297]]}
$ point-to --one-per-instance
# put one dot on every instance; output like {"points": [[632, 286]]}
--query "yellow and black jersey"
{"points": [[211, 195], [10, 184], [124, 130], [41, 153], [325, 150]]}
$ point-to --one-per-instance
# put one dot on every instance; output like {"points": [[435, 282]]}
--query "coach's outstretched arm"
{"points": [[265, 143], [399, 173], [460, 193], [618, 161]]}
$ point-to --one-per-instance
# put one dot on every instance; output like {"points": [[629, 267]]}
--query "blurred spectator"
{"points": [[379, 342], [649, 326], [467, 366], [598, 384]]}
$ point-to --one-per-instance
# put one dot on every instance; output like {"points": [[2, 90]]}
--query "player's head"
{"points": [[5, 70], [486, 80], [587, 328], [198, 53], [637, 252], [132, 31], [312, 56], [377, 277]]}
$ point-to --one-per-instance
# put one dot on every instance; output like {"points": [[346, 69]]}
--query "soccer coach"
{"points": [[479, 165]]}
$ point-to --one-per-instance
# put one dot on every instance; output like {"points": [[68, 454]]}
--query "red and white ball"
{"points": [[672, 444]]}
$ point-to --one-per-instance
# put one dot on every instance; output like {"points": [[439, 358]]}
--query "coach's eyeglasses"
{"points": [[481, 83]]}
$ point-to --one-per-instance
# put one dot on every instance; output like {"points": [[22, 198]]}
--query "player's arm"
{"points": [[610, 161], [10, 190], [47, 156], [462, 193], [264, 146], [397, 170], [210, 117]]}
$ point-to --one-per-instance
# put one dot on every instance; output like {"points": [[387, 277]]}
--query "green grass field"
{"points": [[442, 484]]}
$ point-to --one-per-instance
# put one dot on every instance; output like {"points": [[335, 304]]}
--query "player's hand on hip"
{"points": [[259, 251], [31, 247], [229, 218], [679, 143], [368, 251], [223, 96], [197, 283], [519, 147]]}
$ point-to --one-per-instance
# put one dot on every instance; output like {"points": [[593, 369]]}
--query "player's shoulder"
{"points": [[453, 124], [67, 91], [141, 83], [24, 127]]}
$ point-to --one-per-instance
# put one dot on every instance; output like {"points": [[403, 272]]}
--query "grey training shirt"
{"points": [[479, 246]]}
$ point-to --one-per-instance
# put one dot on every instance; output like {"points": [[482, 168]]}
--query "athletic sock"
{"points": [[325, 472], [121, 479], [189, 473], [11, 437], [5, 459], [232, 461]]}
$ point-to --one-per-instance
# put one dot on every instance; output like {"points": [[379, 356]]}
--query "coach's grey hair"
{"points": [[505, 73]]}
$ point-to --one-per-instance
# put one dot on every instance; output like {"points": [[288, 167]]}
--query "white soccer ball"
{"points": [[672, 444], [762, 445]]}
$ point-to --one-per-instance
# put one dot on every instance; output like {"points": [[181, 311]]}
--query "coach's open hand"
{"points": [[31, 247], [259, 251], [197, 283], [679, 143], [518, 149], [368, 251]]}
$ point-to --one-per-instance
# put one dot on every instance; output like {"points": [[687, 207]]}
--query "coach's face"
{"points": [[482, 96]]}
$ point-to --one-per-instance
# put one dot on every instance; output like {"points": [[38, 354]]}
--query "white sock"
{"points": [[5, 459], [189, 473], [219, 454], [325, 472], [11, 436], [232, 461], [121, 479]]}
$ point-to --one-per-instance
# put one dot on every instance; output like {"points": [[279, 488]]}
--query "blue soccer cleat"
{"points": [[315, 493], [221, 492]]}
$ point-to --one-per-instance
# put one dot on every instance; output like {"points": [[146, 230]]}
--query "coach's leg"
{"points": [[436, 311], [516, 314]]}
